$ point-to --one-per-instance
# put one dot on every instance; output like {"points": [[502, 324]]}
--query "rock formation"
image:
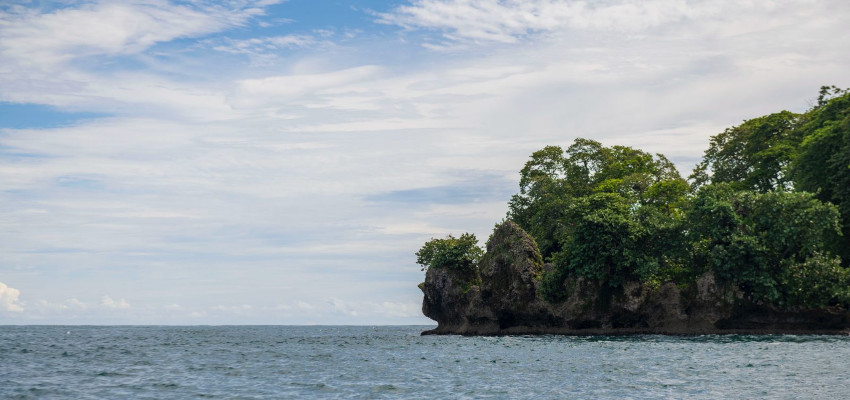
{"points": [[502, 297]]}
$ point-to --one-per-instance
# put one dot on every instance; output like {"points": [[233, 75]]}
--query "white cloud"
{"points": [[422, 228], [341, 307], [508, 21], [280, 90], [105, 27], [108, 302], [37, 50], [9, 299], [72, 304], [267, 51], [262, 45]]}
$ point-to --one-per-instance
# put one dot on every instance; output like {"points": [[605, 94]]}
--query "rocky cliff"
{"points": [[502, 297]]}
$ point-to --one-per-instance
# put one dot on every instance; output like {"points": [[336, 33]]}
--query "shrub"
{"points": [[460, 253]]}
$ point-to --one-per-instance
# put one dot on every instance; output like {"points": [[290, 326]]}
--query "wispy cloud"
{"points": [[63, 307], [508, 21], [35, 40], [266, 51], [265, 44], [283, 89], [471, 188], [44, 54]]}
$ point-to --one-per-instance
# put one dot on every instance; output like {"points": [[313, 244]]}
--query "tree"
{"points": [[753, 155], [827, 93], [461, 254], [765, 243], [807, 152], [537, 208], [822, 165], [553, 179], [604, 241]]}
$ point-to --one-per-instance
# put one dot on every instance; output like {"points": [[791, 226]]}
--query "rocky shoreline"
{"points": [[502, 297]]}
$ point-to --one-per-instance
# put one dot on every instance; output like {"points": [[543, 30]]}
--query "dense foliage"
{"points": [[554, 177], [460, 253], [767, 210], [772, 245], [822, 162], [753, 155]]}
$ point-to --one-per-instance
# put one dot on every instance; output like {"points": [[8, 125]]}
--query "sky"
{"points": [[280, 162]]}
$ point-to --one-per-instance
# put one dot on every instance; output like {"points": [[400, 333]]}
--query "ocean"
{"points": [[384, 362]]}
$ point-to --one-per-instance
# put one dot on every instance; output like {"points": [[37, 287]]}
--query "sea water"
{"points": [[326, 362]]}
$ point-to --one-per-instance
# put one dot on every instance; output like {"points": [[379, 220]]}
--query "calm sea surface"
{"points": [[42, 362]]}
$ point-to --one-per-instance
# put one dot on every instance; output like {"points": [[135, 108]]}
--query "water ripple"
{"points": [[261, 362]]}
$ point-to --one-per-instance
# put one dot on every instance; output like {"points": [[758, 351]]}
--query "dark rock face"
{"points": [[510, 274], [502, 298], [453, 299]]}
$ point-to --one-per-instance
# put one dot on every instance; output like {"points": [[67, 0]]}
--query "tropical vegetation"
{"points": [[766, 210]]}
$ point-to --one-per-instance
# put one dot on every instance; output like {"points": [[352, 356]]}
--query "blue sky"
{"points": [[279, 162]]}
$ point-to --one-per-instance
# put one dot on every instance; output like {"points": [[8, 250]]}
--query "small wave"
{"points": [[166, 385], [314, 385], [110, 374], [386, 389]]}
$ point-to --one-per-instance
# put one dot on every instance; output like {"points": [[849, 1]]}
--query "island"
{"points": [[613, 240]]}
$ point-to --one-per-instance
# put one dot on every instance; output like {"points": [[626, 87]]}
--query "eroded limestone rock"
{"points": [[502, 297]]}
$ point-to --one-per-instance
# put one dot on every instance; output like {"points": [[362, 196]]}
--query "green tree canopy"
{"points": [[554, 178], [772, 245], [460, 253], [807, 152], [753, 155], [822, 165], [604, 241]]}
